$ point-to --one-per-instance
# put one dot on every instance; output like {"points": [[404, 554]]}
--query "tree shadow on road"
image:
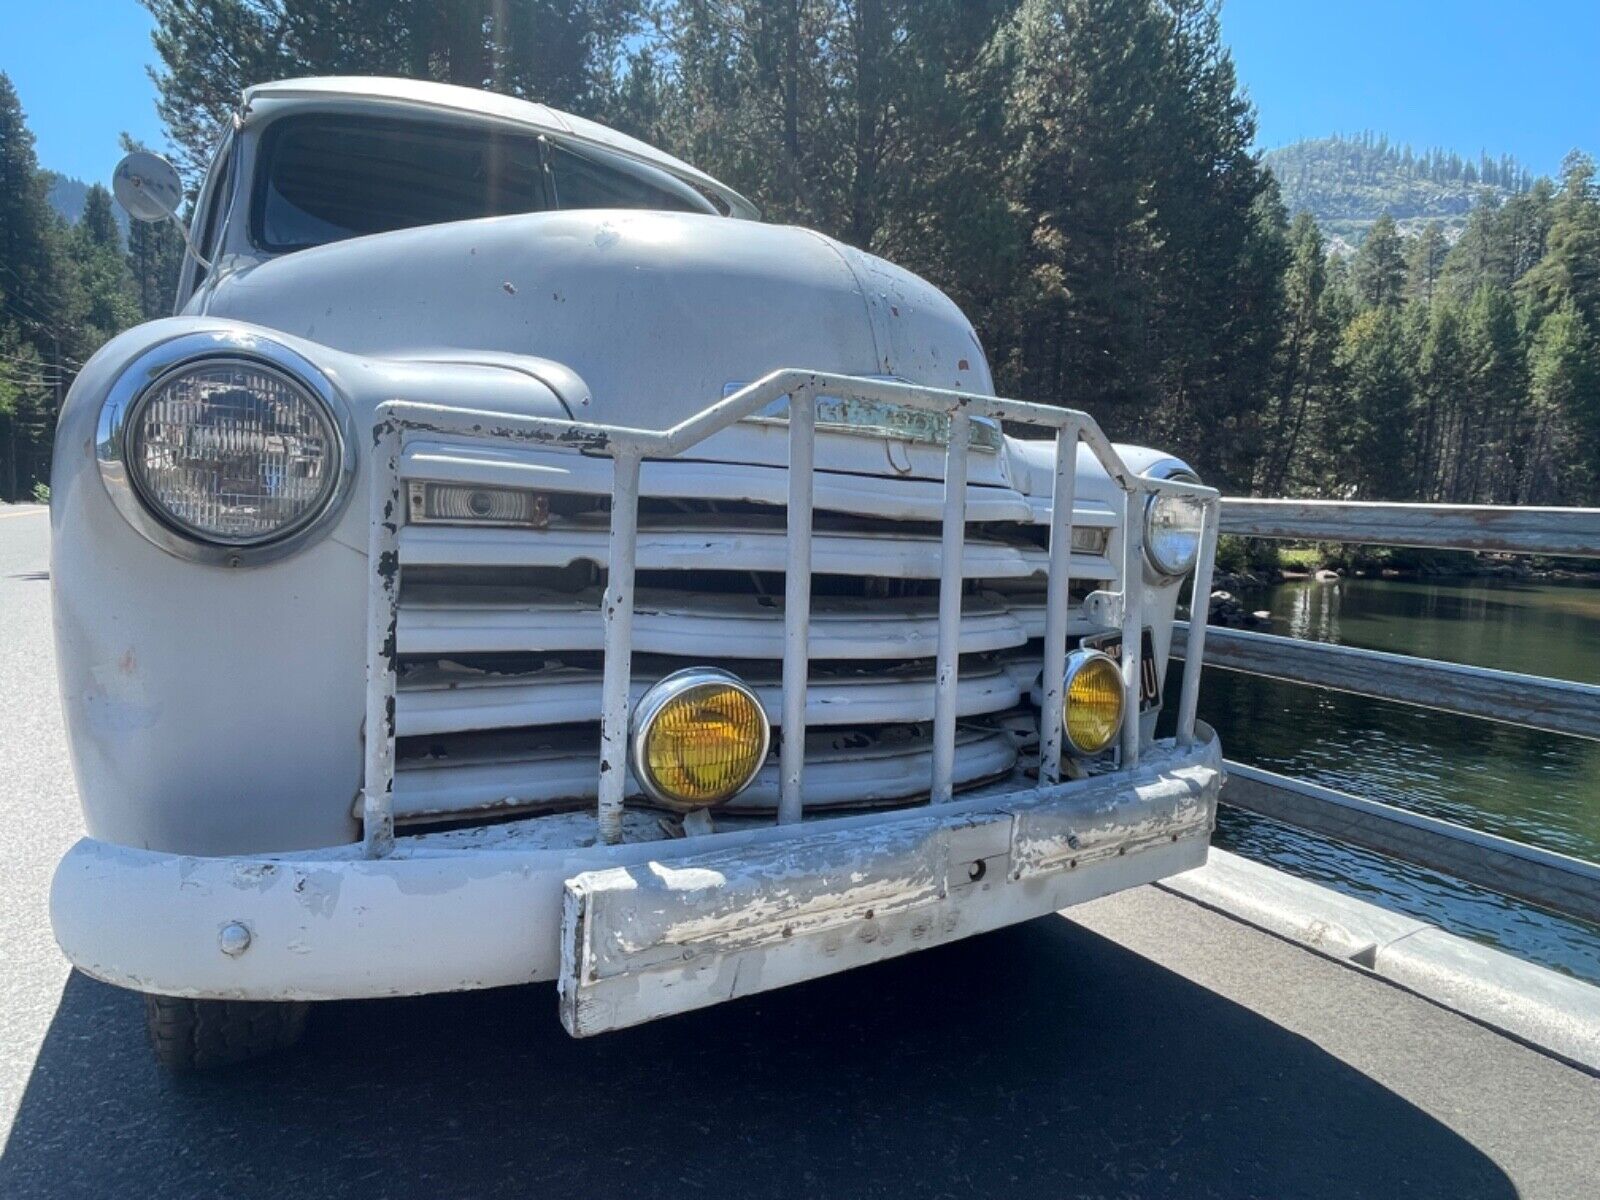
{"points": [[1042, 1060]]}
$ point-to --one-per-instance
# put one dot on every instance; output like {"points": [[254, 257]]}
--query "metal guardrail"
{"points": [[1534, 701], [1566, 532], [800, 389], [1555, 881]]}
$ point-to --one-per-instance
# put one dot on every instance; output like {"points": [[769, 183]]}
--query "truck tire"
{"points": [[199, 1035]]}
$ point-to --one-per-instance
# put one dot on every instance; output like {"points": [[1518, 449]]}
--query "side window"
{"points": [[584, 182]]}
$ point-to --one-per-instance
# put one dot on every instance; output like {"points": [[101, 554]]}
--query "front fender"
{"points": [[210, 709]]}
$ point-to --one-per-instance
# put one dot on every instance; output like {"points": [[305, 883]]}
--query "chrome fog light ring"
{"points": [[145, 376], [1082, 665], [675, 689]]}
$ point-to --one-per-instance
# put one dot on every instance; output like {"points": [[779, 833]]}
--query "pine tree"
{"points": [[1564, 459], [1570, 266], [1492, 441], [35, 306], [1442, 371], [107, 302], [1379, 270], [1424, 260], [1370, 437], [1305, 369]]}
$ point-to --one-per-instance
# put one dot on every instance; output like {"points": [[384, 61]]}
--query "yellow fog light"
{"points": [[698, 738], [1093, 698]]}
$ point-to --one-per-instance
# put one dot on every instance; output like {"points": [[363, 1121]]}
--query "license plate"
{"points": [[1149, 677]]}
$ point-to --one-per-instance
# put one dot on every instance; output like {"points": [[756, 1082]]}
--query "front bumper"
{"points": [[635, 930]]}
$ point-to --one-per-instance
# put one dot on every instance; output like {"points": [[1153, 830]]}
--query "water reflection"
{"points": [[1537, 788]]}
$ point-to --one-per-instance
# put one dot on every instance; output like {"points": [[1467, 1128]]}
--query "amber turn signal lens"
{"points": [[699, 738], [1092, 704]]}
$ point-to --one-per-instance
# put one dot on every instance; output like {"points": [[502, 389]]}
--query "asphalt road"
{"points": [[1146, 1047]]}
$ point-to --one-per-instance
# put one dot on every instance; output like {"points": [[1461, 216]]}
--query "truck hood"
{"points": [[639, 319], [657, 312]]}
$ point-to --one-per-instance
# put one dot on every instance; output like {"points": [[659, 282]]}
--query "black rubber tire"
{"points": [[201, 1035]]}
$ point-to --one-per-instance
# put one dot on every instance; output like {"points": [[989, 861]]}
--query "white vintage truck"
{"points": [[514, 561]]}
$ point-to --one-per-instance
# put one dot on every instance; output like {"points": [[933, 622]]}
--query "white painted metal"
{"points": [[385, 514], [1508, 529], [627, 446], [797, 606], [1057, 599], [614, 701], [481, 907], [1555, 881], [642, 942], [467, 620], [841, 773], [1553, 705], [700, 475], [452, 701], [1132, 620], [1200, 609], [953, 537], [729, 545], [168, 710]]}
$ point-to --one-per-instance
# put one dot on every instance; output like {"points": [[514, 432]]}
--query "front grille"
{"points": [[500, 635], [481, 667]]}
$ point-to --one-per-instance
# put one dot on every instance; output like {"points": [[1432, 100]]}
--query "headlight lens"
{"points": [[233, 452], [699, 737], [1172, 533], [1092, 703]]}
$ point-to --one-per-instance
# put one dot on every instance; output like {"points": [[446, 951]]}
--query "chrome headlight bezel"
{"points": [[157, 366], [1167, 572]]}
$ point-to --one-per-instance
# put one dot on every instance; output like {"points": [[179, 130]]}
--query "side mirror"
{"points": [[148, 186]]}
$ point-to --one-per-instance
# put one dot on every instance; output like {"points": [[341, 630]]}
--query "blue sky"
{"points": [[1467, 75], [1518, 77]]}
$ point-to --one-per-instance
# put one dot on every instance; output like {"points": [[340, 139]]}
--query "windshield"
{"points": [[325, 178]]}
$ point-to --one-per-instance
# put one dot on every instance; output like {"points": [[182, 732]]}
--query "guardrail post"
{"points": [[1132, 619], [383, 621], [797, 605], [1199, 614], [618, 613], [1057, 601], [947, 669]]}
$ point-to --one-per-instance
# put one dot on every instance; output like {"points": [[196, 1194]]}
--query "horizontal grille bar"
{"points": [[729, 547], [444, 621], [843, 770], [444, 701]]}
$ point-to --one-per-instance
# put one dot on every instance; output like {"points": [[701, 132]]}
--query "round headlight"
{"points": [[233, 452], [699, 737], [1091, 711], [1172, 533]]}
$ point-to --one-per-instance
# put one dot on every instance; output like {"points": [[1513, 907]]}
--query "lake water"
{"points": [[1538, 788]]}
